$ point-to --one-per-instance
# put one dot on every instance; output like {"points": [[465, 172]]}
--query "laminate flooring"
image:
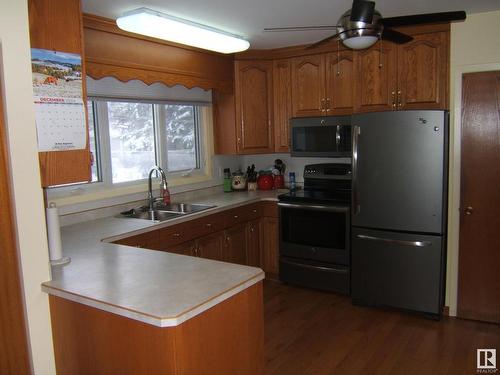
{"points": [[312, 332]]}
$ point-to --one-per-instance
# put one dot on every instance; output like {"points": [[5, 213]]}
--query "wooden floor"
{"points": [[311, 332]]}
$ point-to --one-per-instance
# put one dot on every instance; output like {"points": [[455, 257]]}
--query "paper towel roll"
{"points": [[54, 232]]}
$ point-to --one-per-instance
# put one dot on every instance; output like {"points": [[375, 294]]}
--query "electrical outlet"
{"points": [[220, 172]]}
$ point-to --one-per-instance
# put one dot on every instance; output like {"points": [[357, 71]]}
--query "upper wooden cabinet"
{"points": [[322, 85], [423, 72], [340, 76], [282, 95], [254, 103], [408, 76], [376, 78], [57, 25], [308, 86]]}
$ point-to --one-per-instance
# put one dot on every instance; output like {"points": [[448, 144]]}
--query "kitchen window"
{"points": [[127, 138]]}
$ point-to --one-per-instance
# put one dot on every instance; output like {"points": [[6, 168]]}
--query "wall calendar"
{"points": [[58, 97]]}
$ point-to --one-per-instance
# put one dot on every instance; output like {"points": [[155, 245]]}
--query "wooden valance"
{"points": [[110, 51]]}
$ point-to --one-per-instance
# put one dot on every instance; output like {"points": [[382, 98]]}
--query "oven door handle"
{"points": [[314, 207], [393, 241], [315, 268]]}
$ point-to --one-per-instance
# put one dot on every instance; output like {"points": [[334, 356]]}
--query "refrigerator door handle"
{"points": [[395, 242], [355, 141]]}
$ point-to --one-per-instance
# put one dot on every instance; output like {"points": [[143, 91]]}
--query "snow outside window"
{"points": [[127, 138]]}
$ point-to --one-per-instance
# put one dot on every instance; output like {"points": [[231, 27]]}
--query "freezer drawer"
{"points": [[323, 276], [398, 270]]}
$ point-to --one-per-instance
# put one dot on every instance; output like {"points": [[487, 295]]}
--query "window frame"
{"points": [[103, 149]]}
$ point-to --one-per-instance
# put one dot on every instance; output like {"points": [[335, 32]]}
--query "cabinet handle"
{"points": [[393, 94], [236, 216], [254, 211], [328, 104], [176, 234], [322, 105], [399, 99], [208, 225], [252, 229]]}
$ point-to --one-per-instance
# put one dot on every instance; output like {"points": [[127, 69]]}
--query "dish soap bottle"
{"points": [[165, 194]]}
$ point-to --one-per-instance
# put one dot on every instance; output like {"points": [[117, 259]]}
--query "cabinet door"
{"points": [[235, 244], [57, 25], [148, 240], [423, 72], [253, 243], [270, 245], [185, 248], [340, 83], [282, 95], [376, 78], [210, 246], [253, 81], [308, 86]]}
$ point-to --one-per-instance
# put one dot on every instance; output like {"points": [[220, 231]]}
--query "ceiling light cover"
{"points": [[159, 25], [360, 42]]}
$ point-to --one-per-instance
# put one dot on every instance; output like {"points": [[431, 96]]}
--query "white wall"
{"points": [[25, 179], [475, 46]]}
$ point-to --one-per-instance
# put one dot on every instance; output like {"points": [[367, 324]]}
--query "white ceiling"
{"points": [[248, 18]]}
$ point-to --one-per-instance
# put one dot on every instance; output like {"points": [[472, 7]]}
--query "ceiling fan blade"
{"points": [[395, 36], [362, 11], [423, 19], [300, 28], [322, 41]]}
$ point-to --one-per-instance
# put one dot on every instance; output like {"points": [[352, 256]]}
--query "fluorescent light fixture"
{"points": [[159, 25]]}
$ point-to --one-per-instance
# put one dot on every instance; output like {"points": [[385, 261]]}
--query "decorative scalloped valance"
{"points": [[112, 52]]}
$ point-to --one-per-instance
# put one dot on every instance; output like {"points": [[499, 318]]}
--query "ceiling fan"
{"points": [[361, 26]]}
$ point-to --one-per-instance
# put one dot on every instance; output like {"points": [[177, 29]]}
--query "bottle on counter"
{"points": [[227, 180], [165, 194], [291, 177]]}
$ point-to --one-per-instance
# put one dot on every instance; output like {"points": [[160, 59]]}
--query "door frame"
{"points": [[455, 180]]}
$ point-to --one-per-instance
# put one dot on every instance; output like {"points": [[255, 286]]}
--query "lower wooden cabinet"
{"points": [[253, 243], [269, 253], [235, 244], [210, 246], [244, 235], [186, 248], [149, 240]]}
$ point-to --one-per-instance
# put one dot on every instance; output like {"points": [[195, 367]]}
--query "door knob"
{"points": [[469, 210]]}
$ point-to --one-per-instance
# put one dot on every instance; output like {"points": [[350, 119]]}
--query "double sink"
{"points": [[162, 212]]}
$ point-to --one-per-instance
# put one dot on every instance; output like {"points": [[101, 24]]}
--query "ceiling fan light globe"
{"points": [[360, 42]]}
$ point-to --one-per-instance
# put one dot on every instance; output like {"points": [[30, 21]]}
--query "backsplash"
{"points": [[293, 164], [80, 212]]}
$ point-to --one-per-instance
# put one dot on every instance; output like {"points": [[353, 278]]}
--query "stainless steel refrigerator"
{"points": [[399, 209]]}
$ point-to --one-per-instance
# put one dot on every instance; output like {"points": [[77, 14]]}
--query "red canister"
{"points": [[279, 181], [265, 182]]}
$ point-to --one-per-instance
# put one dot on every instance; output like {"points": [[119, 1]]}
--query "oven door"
{"points": [[315, 232]]}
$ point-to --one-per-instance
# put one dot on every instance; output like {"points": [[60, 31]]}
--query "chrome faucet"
{"points": [[163, 185]]}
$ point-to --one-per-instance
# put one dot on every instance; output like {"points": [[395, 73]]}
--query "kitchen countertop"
{"points": [[155, 287]]}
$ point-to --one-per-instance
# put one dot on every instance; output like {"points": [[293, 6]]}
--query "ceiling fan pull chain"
{"points": [[338, 57], [380, 53]]}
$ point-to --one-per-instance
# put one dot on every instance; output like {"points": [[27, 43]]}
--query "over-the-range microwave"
{"points": [[321, 136]]}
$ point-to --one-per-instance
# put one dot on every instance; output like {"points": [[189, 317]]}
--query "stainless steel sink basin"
{"points": [[164, 212], [183, 208], [155, 215]]}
